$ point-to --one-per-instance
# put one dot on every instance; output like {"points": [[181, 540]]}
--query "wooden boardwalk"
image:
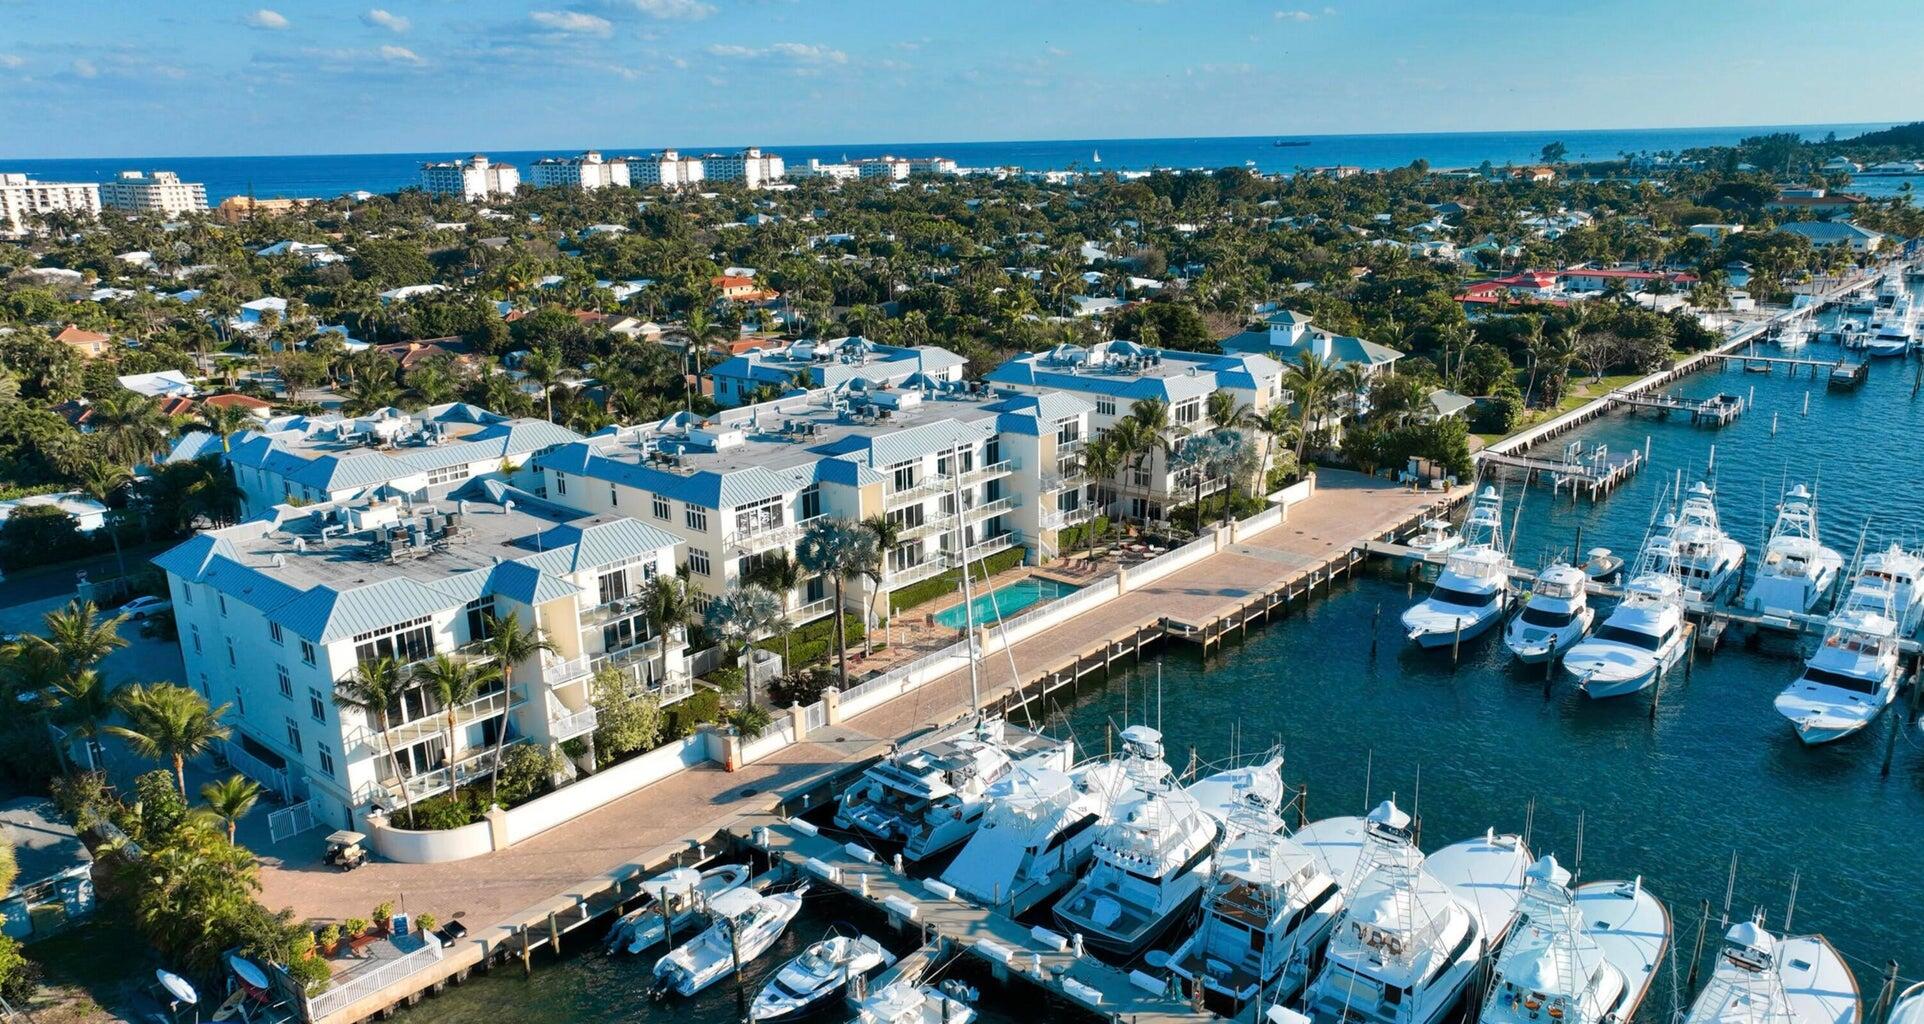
{"points": [[1593, 473]]}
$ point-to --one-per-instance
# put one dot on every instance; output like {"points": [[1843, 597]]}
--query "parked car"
{"points": [[141, 607]]}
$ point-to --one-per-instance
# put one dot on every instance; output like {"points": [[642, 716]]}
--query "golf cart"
{"points": [[344, 850]]}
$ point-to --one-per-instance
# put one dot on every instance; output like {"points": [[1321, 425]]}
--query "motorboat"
{"points": [[1849, 681], [1891, 581], [1149, 860], [1415, 930], [817, 979], [1601, 565], [1039, 831], [1556, 615], [1435, 537], [1586, 955], [929, 799], [1473, 589], [1893, 325], [1271, 904], [1793, 336], [1797, 570], [905, 1003], [746, 924], [1909, 1008], [1762, 978], [1707, 560], [1642, 638], [672, 902]]}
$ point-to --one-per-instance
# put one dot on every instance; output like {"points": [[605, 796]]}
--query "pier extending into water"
{"points": [[1592, 474], [1716, 411]]}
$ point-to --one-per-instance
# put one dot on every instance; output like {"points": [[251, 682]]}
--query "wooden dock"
{"points": [[1765, 364], [1849, 374], [1716, 411], [1592, 473]]}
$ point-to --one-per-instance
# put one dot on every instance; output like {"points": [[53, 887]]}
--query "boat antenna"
{"points": [[968, 597], [1158, 694], [1369, 766], [1730, 889], [1791, 907], [1529, 820], [1578, 873]]}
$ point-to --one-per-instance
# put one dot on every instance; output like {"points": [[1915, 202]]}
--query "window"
{"points": [[316, 705], [614, 498], [307, 652], [294, 735], [903, 476], [480, 618], [612, 587], [196, 632], [287, 684], [905, 556], [222, 598], [240, 701], [811, 501], [1189, 411], [767, 514], [1139, 475], [908, 518], [447, 474], [698, 561], [274, 632], [187, 592], [626, 633], [1106, 406], [561, 483], [231, 660], [1068, 431], [661, 508], [404, 642], [326, 757], [697, 518]]}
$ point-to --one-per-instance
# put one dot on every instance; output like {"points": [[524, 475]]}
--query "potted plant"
{"points": [[355, 927], [383, 913], [330, 940], [427, 923]]}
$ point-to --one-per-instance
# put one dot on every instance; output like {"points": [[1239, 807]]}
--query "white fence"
{"points": [[254, 768], [291, 821], [1164, 564], [367, 983], [584, 795]]}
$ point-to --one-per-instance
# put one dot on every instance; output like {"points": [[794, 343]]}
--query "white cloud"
{"points": [[12, 60], [85, 68], [672, 10], [810, 53], [399, 55], [1294, 16], [792, 53], [378, 18], [272, 21], [573, 22]]}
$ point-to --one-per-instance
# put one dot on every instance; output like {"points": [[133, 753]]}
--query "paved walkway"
{"points": [[644, 825]]}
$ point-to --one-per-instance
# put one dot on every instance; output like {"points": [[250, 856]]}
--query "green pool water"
{"points": [[1003, 602]]}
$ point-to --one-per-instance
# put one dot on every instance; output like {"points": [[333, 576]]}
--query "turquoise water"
{"points": [[1004, 602]]}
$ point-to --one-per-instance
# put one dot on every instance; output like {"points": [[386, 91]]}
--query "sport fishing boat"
{"points": [[1579, 956], [1472, 591], [1793, 336], [906, 1003], [818, 978], [1848, 682], [1707, 560], [1797, 569], [931, 798], [746, 924], [1893, 326], [672, 902], [1435, 537], [1763, 979], [1415, 930], [1642, 638], [1892, 582], [1041, 828], [1271, 904], [1556, 615], [1150, 859]]}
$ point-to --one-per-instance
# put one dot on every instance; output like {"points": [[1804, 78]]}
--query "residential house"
{"points": [[1286, 334], [90, 344], [819, 363], [1825, 233]]}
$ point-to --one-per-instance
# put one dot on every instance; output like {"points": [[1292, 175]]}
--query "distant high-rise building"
{"points": [[473, 178], [22, 199], [891, 167], [667, 168], [751, 167], [587, 171], [161, 192], [817, 169]]}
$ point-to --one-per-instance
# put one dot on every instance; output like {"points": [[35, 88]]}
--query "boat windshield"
{"points": [[1451, 595], [1840, 680], [1630, 637], [1554, 618]]}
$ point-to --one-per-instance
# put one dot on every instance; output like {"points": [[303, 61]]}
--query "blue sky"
{"points": [[157, 77]]}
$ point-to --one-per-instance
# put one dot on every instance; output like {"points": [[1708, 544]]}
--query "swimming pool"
{"points": [[1005, 601]]}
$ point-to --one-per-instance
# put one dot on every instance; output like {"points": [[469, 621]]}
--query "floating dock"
{"points": [[1592, 472], [1849, 374]]}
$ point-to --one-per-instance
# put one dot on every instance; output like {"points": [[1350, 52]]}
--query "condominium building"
{"points": [[473, 178], [890, 167], [750, 166], [335, 458], [1114, 375], [161, 192], [22, 200], [235, 209], [748, 482], [667, 168], [275, 613], [817, 169], [932, 165], [829, 362], [587, 171]]}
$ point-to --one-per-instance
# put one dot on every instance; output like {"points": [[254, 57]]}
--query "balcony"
{"points": [[426, 784], [761, 537], [370, 741], [1060, 518], [990, 509], [989, 472], [936, 565], [1072, 445], [638, 668], [566, 724], [602, 614], [811, 611], [922, 490]]}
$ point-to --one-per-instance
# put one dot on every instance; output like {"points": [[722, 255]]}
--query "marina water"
{"points": [[1669, 796]]}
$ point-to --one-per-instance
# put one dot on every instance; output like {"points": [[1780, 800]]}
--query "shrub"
{"points": [[1501, 412], [162, 808], [383, 912], [812, 643], [624, 724], [83, 797], [681, 718], [526, 771], [19, 976], [355, 927], [951, 581], [804, 687], [751, 721], [427, 923], [311, 973], [1082, 534], [443, 812], [331, 937]]}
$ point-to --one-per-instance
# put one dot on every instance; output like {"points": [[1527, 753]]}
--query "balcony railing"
{"points": [[989, 509], [1068, 517], [370, 741], [934, 566], [619, 608], [763, 537], [945, 483], [989, 472], [426, 784], [565, 724], [811, 611]]}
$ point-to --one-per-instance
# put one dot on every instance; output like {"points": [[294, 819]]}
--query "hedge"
{"points": [[815, 642], [679, 719], [1076, 536], [949, 582]]}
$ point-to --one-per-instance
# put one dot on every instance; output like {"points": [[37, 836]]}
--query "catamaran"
{"points": [[1415, 929], [1763, 979], [1798, 569], [1642, 638], [1707, 560], [1849, 681], [1891, 581], [673, 902], [746, 924], [1473, 589], [818, 978], [1556, 615], [1579, 956]]}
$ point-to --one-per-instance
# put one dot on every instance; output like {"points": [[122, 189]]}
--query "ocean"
{"points": [[329, 175]]}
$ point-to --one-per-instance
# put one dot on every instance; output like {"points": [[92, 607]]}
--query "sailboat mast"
{"points": [[968, 596]]}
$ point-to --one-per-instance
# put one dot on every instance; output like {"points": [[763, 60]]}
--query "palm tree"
{"points": [[666, 602], [225, 421], [544, 367], [81, 703], [230, 799], [101, 481], [780, 574], [509, 645], [1155, 434], [842, 551], [1533, 351], [741, 617], [452, 682], [888, 534], [1308, 382], [1101, 457], [169, 721], [78, 635], [376, 686]]}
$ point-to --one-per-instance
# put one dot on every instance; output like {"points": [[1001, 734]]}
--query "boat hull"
{"points": [[1429, 637]]}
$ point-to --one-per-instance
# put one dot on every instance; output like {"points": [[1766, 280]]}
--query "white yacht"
{"points": [[1851, 678], [1473, 589], [1793, 336], [1642, 638], [1763, 979], [1150, 860], [1040, 829], [1414, 931], [1579, 956], [746, 924], [1909, 1008], [1797, 569], [818, 978], [1271, 904], [1555, 616], [1435, 537], [672, 903], [906, 1003], [1707, 560], [931, 798], [1892, 582], [1893, 327]]}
